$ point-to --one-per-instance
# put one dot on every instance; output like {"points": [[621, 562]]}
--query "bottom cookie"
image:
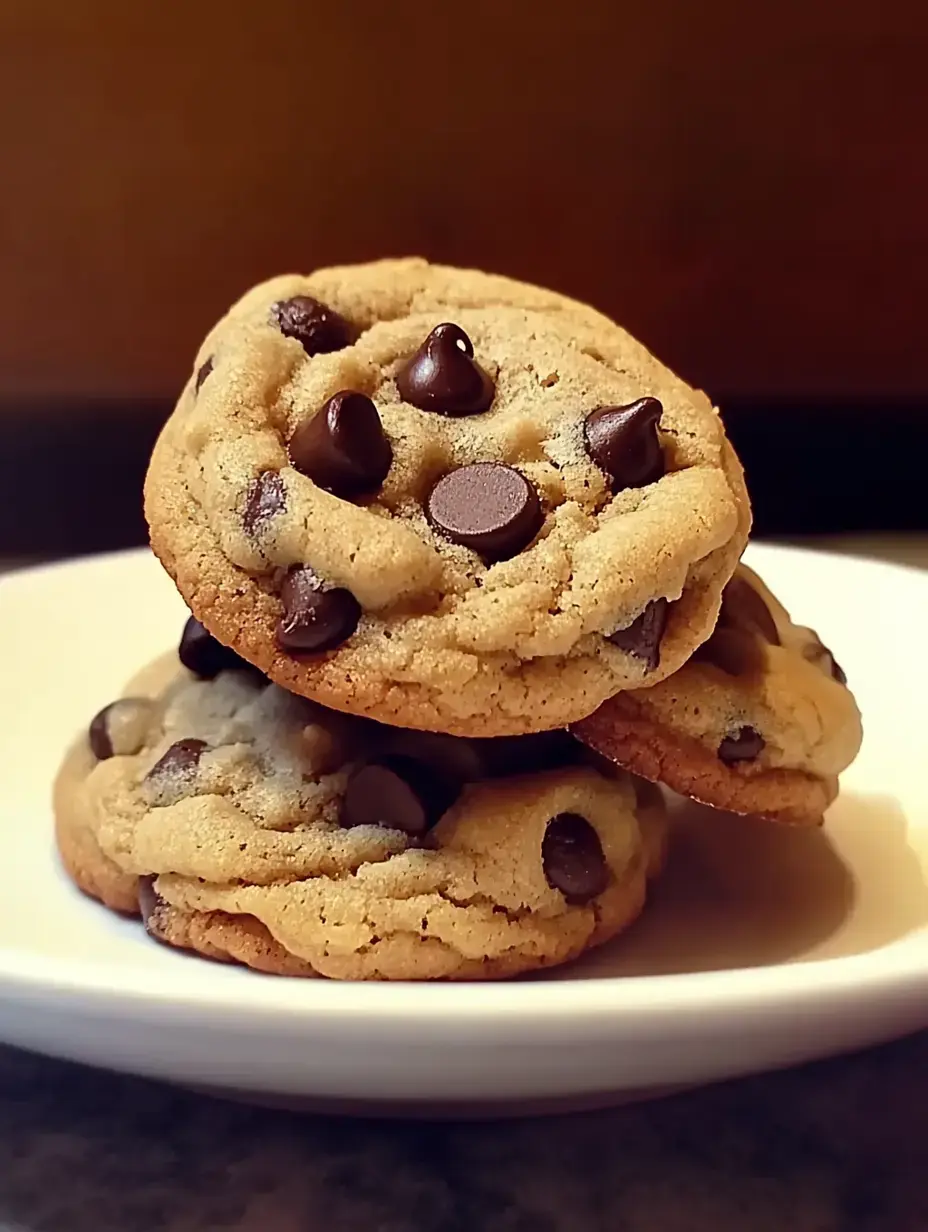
{"points": [[248, 825]]}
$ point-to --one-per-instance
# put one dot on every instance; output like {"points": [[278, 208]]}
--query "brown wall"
{"points": [[748, 195]]}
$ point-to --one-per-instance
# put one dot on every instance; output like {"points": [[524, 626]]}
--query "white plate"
{"points": [[762, 946]]}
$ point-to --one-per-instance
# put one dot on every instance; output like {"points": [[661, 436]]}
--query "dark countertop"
{"points": [[840, 1146]]}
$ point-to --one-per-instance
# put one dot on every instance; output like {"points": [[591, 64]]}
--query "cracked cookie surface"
{"points": [[759, 721], [444, 499], [252, 825]]}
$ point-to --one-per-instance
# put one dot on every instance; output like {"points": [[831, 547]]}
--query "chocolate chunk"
{"points": [[316, 326], [573, 859], [623, 442], [120, 728], [202, 373], [180, 760], [203, 655], [744, 608], [488, 507], [642, 638], [397, 792], [343, 447], [314, 618], [267, 496], [444, 377], [744, 745]]}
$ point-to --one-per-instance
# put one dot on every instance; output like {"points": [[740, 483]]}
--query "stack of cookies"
{"points": [[463, 563]]}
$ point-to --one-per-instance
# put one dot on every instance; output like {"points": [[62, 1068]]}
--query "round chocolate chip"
{"points": [[744, 608], [623, 442], [642, 638], [179, 761], [203, 655], [202, 373], [343, 447], [316, 326], [573, 859], [267, 496], [314, 618], [744, 745], [489, 507], [120, 728], [397, 792], [444, 377]]}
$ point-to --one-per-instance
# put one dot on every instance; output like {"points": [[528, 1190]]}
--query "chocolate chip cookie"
{"points": [[759, 721], [249, 824], [444, 499]]}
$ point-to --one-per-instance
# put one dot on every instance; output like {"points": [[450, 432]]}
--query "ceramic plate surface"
{"points": [[761, 946]]}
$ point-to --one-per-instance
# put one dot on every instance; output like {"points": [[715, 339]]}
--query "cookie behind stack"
{"points": [[759, 721], [425, 519]]}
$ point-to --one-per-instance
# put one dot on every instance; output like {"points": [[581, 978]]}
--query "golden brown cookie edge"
{"points": [[621, 731]]}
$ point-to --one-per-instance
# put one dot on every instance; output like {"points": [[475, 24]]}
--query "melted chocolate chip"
{"points": [[444, 377], [744, 608], [343, 447], [573, 859], [267, 496], [120, 728], [623, 442], [488, 507], [314, 618], [744, 745], [179, 761], [202, 373], [203, 655], [397, 792], [317, 327], [642, 638]]}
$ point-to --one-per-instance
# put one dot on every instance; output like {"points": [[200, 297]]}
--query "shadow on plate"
{"points": [[738, 892]]}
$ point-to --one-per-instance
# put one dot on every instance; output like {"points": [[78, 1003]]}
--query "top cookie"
{"points": [[444, 499]]}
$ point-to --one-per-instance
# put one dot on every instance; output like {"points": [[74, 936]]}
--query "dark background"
{"points": [[744, 186]]}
